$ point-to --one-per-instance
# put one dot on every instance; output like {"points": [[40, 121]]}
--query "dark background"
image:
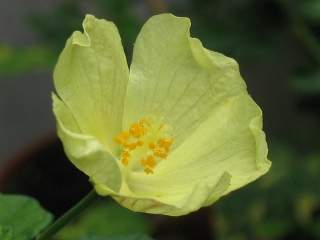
{"points": [[277, 45]]}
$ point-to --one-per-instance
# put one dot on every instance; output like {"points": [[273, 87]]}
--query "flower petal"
{"points": [[217, 127], [85, 151], [231, 141], [177, 202], [91, 77], [172, 77], [226, 152]]}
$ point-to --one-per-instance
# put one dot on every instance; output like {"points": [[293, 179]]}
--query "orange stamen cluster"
{"points": [[144, 136], [148, 163]]}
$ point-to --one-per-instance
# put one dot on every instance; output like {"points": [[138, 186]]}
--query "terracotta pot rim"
{"points": [[21, 158]]}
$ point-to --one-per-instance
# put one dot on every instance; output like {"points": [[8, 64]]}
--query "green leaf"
{"points": [[15, 61], [21, 218], [5, 233], [124, 237], [104, 220]]}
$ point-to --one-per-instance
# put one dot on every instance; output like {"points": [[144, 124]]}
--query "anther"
{"points": [[146, 143], [125, 154], [148, 171], [137, 129], [130, 146], [122, 138], [139, 143], [125, 161], [165, 143], [160, 152], [152, 145]]}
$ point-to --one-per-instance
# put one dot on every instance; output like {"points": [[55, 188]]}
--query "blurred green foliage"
{"points": [[106, 219], [125, 237], [285, 204], [310, 10], [307, 82], [15, 61], [22, 217]]}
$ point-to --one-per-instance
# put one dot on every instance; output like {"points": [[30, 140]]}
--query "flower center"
{"points": [[145, 144]]}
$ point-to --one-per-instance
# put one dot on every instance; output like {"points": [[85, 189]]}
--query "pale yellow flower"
{"points": [[175, 133]]}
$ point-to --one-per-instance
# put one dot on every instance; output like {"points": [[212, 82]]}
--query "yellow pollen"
{"points": [[125, 161], [139, 143], [122, 137], [125, 157], [137, 129], [125, 154], [165, 143], [145, 143], [152, 145], [148, 171], [160, 152], [130, 146], [149, 162]]}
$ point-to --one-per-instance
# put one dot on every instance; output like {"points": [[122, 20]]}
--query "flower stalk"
{"points": [[68, 216]]}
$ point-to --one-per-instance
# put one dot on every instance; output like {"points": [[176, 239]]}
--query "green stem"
{"points": [[68, 216]]}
